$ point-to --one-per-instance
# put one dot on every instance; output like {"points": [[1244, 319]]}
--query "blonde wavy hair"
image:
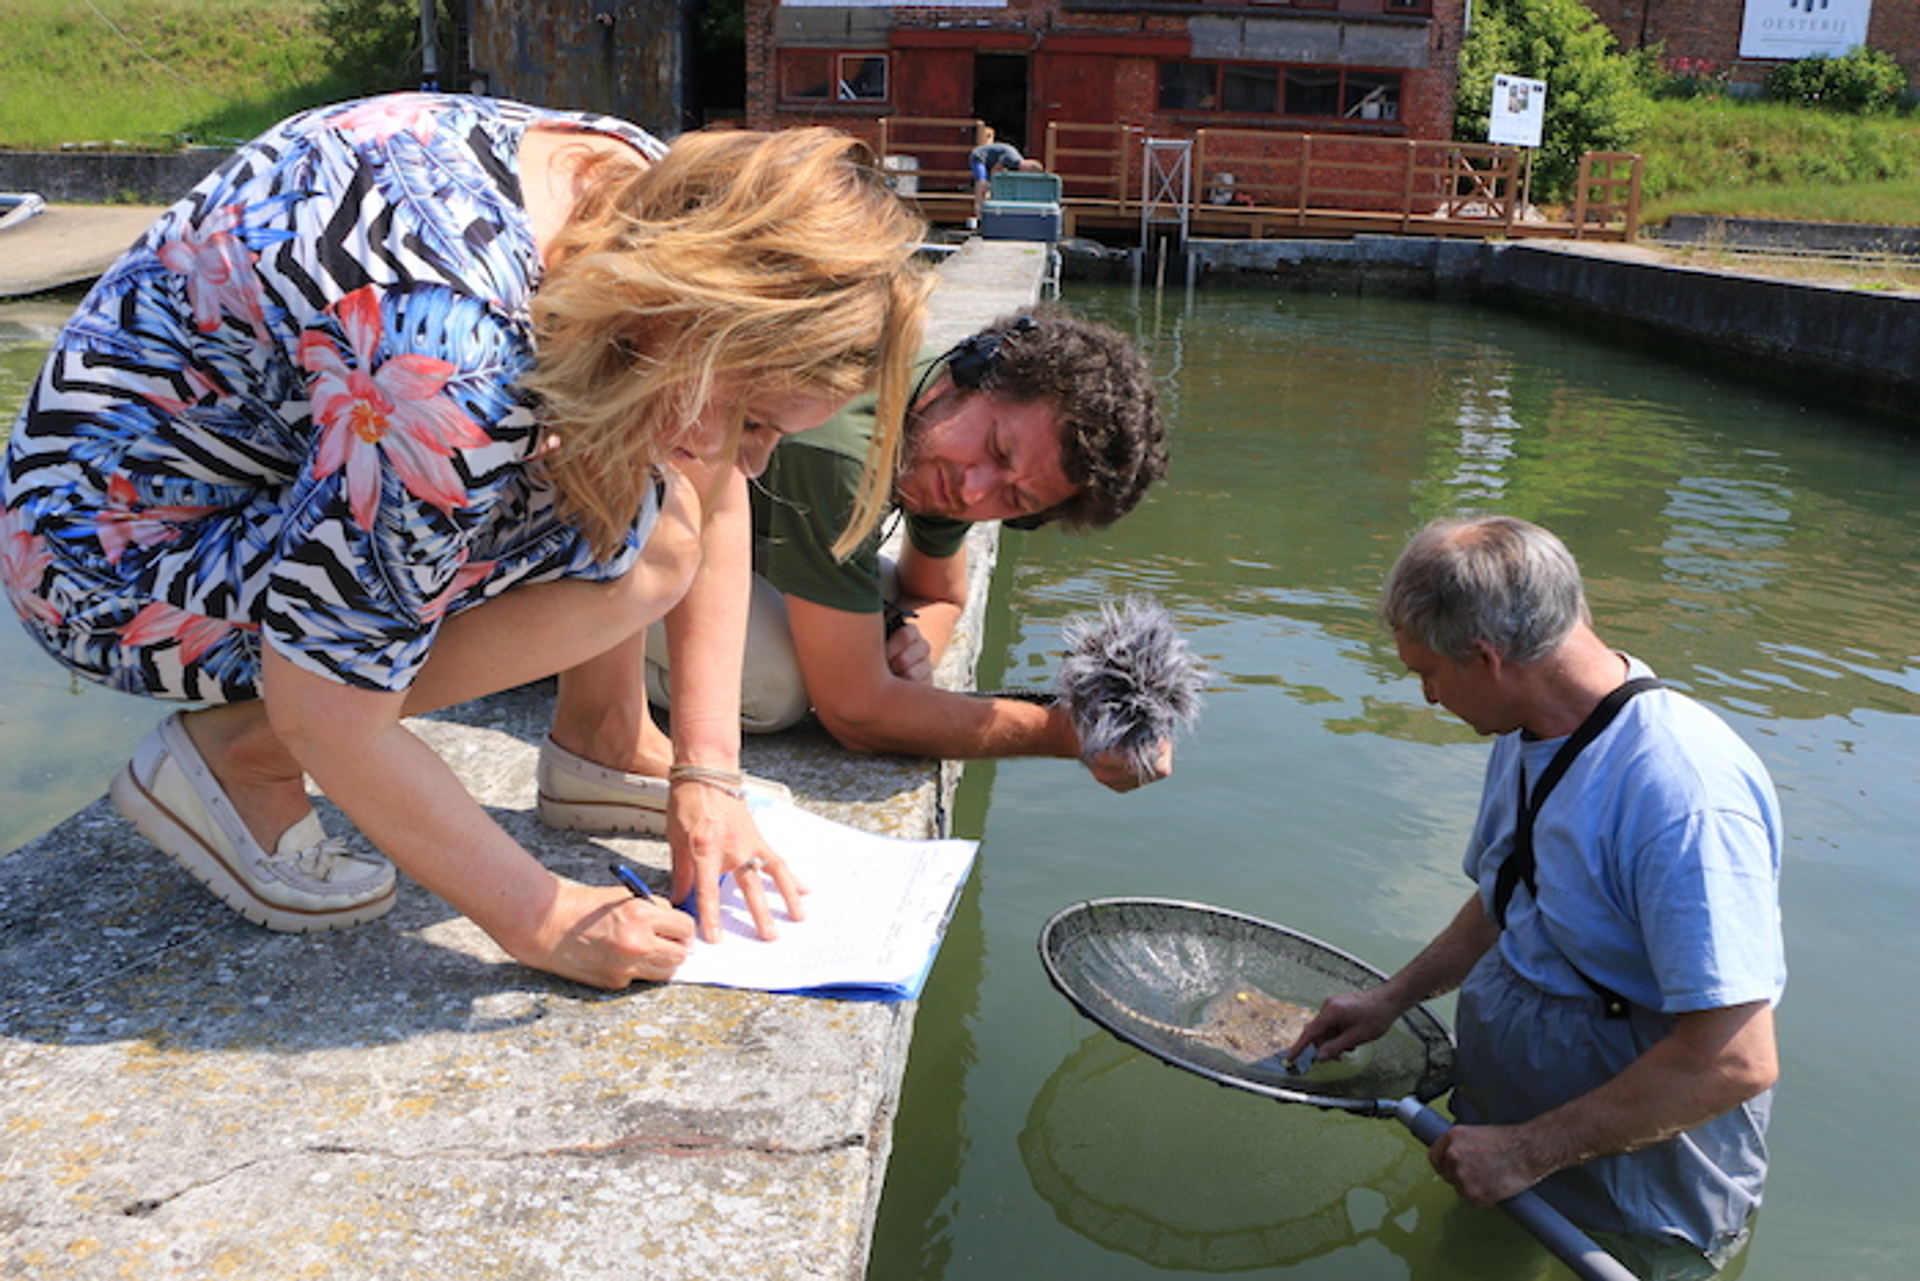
{"points": [[765, 260]]}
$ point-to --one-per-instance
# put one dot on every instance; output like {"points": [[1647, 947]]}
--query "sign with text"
{"points": [[1803, 28], [1519, 111]]}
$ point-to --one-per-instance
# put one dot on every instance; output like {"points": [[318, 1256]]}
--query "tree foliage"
{"points": [[375, 44], [1595, 98]]}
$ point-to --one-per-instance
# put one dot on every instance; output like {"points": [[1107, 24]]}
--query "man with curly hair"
{"points": [[1042, 417]]}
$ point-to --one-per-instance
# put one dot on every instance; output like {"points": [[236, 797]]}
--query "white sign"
{"points": [[1802, 28], [1519, 111]]}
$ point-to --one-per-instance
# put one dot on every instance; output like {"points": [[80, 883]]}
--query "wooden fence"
{"points": [[1260, 183]]}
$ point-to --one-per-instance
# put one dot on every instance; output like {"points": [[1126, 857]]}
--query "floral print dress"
{"points": [[290, 413]]}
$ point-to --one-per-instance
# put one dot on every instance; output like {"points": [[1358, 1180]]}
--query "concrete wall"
{"points": [[626, 58], [1851, 346], [107, 177]]}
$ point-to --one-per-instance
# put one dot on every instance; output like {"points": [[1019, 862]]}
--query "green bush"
{"points": [[1595, 95], [1861, 81], [377, 42]]}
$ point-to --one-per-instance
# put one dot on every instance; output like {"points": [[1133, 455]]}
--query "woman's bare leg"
{"points": [[525, 634], [601, 713]]}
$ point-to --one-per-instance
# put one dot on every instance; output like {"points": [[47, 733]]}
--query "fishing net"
{"points": [[1225, 995]]}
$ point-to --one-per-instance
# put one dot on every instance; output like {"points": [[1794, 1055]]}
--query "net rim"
{"points": [[1414, 1017]]}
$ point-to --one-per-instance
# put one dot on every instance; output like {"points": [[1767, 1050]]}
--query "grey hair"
{"points": [[1496, 579]]}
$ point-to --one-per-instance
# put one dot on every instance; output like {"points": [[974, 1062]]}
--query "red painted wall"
{"points": [[1122, 49]]}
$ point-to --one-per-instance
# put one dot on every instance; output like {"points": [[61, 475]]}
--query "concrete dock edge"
{"points": [[183, 1094]]}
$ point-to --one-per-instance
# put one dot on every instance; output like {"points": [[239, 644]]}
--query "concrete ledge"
{"points": [[67, 245], [1426, 266], [1718, 231], [184, 1094], [101, 177]]}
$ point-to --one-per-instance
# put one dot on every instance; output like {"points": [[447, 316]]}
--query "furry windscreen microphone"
{"points": [[1129, 681]]}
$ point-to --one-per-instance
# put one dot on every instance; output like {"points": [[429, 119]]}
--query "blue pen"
{"points": [[631, 879]]}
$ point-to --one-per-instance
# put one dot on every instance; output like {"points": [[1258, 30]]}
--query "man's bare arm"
{"points": [[868, 708], [1713, 1061]]}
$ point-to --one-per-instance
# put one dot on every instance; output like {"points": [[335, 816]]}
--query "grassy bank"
{"points": [[1767, 160], [151, 72]]}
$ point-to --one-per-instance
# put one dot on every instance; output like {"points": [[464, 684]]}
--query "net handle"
{"points": [[1547, 1225]]}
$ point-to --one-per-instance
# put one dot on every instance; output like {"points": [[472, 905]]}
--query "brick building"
{"points": [[1380, 68], [628, 58], [1713, 30]]}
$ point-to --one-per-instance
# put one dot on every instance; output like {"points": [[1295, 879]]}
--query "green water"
{"points": [[61, 738], [1759, 552]]}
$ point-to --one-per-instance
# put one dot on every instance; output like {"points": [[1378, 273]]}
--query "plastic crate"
{"points": [[1040, 188], [1019, 220]]}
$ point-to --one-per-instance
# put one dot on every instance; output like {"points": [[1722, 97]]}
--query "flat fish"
{"points": [[1250, 1025], [1243, 1021]]}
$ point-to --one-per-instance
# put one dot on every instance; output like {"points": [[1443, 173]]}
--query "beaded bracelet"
{"points": [[730, 781]]}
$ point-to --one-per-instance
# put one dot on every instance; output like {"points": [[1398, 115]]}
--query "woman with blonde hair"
{"points": [[421, 398]]}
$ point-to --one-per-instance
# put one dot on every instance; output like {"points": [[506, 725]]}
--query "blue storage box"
{"points": [[1019, 220]]}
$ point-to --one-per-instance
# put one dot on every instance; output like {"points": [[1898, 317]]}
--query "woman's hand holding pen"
{"points": [[612, 937]]}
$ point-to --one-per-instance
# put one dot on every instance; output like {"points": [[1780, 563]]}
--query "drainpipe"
{"points": [[429, 47]]}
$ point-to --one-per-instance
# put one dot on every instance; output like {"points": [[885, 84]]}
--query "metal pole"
{"points": [[1566, 1242], [429, 47]]}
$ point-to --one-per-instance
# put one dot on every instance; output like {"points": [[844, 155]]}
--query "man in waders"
{"points": [[1620, 959]]}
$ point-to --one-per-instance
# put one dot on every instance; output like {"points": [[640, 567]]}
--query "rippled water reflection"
{"points": [[1758, 552]]}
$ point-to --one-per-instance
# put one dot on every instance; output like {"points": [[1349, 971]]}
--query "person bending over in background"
{"points": [[992, 157]]}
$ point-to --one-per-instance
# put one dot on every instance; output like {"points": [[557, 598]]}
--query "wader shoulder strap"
{"points": [[1519, 865]]}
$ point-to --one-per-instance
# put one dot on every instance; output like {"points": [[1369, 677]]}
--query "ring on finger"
{"points": [[754, 864]]}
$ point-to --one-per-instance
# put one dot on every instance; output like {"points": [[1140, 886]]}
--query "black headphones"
{"points": [[971, 361]]}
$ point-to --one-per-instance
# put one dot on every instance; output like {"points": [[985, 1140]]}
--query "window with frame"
{"points": [[1409, 6], [832, 75], [1269, 89]]}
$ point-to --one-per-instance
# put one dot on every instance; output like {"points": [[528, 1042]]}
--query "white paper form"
{"points": [[875, 916]]}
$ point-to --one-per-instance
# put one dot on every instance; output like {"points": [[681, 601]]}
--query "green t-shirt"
{"points": [[803, 501]]}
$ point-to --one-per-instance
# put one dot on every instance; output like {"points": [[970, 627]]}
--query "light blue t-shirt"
{"points": [[1658, 862], [1657, 871]]}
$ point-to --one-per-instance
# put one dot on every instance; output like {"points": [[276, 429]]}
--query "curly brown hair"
{"points": [[1114, 441]]}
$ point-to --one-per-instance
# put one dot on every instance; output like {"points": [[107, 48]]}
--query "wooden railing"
{"points": [[943, 181], [1096, 163], [1608, 192], [1259, 183]]}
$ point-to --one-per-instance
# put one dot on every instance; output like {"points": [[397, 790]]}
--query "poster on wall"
{"points": [[1803, 28], [1519, 111]]}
